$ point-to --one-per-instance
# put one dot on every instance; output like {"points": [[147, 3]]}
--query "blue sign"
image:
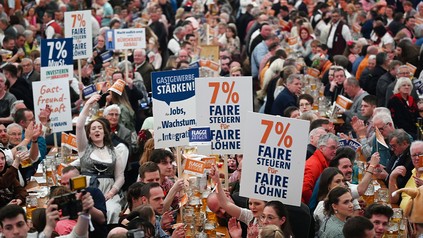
{"points": [[174, 85], [56, 52], [199, 135], [350, 143], [89, 91]]}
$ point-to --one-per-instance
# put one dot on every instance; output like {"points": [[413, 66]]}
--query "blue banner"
{"points": [[56, 52], [174, 85]]}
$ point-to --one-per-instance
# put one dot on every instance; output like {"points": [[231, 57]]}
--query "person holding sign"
{"points": [[100, 160], [249, 217]]}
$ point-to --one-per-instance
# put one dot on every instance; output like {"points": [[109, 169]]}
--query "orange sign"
{"points": [[208, 162], [313, 72], [194, 167], [343, 102], [118, 86], [412, 68], [64, 138], [71, 142]]}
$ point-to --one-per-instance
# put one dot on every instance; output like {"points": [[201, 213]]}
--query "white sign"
{"points": [[121, 39], [274, 154], [174, 106], [79, 28], [222, 104], [55, 94]]}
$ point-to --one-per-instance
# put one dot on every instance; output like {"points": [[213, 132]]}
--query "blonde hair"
{"points": [[271, 231]]}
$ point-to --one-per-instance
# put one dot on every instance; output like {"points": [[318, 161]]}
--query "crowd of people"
{"points": [[302, 56]]}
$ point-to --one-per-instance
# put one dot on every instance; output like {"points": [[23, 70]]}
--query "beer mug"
{"points": [[31, 205], [25, 160], [210, 229], [395, 221], [369, 195], [382, 196]]}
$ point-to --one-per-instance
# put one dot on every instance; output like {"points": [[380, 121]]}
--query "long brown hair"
{"points": [[107, 140], [148, 149]]}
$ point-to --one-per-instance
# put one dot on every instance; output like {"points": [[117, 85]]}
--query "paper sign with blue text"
{"points": [[274, 154], [54, 93], [56, 59], [222, 104], [174, 106], [121, 39], [79, 28]]}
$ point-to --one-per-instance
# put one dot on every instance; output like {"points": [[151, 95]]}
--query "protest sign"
{"points": [[55, 94], [121, 39], [350, 143], [199, 136], [79, 28], [222, 104], [194, 167], [56, 59], [174, 106], [274, 153], [118, 87]]}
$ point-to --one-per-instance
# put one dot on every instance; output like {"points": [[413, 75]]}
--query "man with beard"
{"points": [[344, 160]]}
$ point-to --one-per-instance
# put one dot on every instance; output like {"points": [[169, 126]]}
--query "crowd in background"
{"points": [[302, 55]]}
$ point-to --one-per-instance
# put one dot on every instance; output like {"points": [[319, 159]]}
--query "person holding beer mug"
{"points": [[10, 189]]}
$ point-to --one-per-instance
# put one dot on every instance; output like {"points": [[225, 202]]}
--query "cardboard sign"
{"points": [[194, 167], [79, 28], [118, 87], [222, 105], [55, 94], [274, 154]]}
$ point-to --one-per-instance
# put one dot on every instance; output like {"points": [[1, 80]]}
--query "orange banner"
{"points": [[194, 167]]}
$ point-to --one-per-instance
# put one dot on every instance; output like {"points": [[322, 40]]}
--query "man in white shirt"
{"points": [[339, 34]]}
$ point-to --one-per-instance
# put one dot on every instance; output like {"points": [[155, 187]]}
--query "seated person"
{"points": [[415, 181], [11, 192]]}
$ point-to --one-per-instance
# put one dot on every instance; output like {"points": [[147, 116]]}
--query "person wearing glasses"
{"points": [[415, 180], [399, 143], [403, 71], [325, 152]]}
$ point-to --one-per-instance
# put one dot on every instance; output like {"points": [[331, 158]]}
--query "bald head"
{"points": [[372, 50]]}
